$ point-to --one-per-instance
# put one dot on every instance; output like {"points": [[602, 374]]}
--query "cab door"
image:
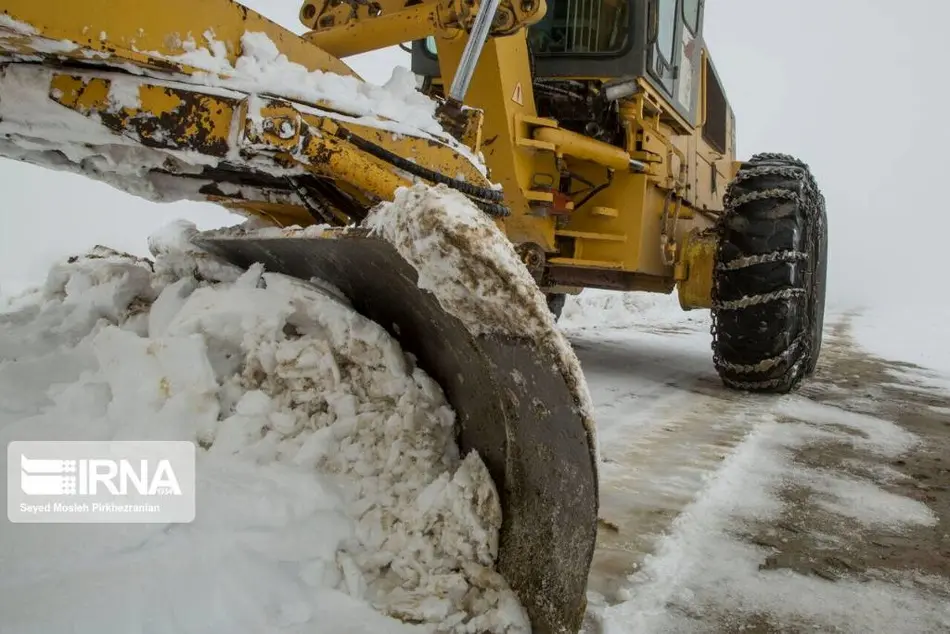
{"points": [[661, 60], [674, 45], [690, 44]]}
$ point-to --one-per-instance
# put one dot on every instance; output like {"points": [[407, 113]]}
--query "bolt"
{"points": [[283, 128], [286, 130]]}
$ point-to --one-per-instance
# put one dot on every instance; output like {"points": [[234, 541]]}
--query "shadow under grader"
{"points": [[640, 355]]}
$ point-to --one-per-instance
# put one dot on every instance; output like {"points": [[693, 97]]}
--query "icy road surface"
{"points": [[827, 510]]}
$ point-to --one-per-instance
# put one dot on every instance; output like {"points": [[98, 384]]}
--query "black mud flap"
{"points": [[514, 407]]}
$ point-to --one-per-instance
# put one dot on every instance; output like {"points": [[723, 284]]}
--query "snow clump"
{"points": [[331, 493], [474, 272]]}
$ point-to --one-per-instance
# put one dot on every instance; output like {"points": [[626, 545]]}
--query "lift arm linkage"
{"points": [[349, 27]]}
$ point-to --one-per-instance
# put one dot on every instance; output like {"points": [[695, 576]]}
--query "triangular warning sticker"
{"points": [[517, 96]]}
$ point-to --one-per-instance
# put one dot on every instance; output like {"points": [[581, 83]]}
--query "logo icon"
{"points": [[47, 477]]}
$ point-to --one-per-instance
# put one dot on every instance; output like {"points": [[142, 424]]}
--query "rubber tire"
{"points": [[755, 346], [556, 303], [818, 307]]}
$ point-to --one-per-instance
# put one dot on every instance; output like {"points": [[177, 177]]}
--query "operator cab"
{"points": [[582, 46]]}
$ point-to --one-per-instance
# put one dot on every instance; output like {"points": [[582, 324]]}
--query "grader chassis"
{"points": [[603, 122]]}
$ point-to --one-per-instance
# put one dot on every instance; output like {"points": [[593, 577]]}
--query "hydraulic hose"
{"points": [[489, 200]]}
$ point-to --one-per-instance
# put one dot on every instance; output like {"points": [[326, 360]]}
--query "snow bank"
{"points": [[331, 495], [472, 269], [904, 331], [598, 309]]}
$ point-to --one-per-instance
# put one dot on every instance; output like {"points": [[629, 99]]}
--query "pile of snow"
{"points": [[470, 266], [598, 309], [331, 494]]}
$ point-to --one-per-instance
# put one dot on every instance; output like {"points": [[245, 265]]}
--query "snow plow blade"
{"points": [[514, 406]]}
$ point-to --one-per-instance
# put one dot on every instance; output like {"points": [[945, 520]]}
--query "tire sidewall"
{"points": [[817, 284]]}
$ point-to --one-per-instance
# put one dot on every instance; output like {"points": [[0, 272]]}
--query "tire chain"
{"points": [[751, 260], [766, 364], [764, 298], [812, 204]]}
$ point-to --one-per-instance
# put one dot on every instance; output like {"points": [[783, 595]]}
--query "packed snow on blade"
{"points": [[331, 492], [439, 275]]}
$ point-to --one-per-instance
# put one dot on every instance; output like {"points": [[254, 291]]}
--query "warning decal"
{"points": [[518, 96]]}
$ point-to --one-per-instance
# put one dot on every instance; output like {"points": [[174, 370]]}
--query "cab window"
{"points": [[691, 15], [666, 25], [582, 26]]}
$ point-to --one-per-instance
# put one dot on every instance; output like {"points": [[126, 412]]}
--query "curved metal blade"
{"points": [[513, 406]]}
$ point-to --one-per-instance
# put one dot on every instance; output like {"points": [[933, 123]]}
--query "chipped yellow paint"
{"points": [[82, 94], [183, 118], [172, 118]]}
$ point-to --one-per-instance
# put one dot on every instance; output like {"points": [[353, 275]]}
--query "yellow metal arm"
{"points": [[349, 27], [147, 36], [187, 140]]}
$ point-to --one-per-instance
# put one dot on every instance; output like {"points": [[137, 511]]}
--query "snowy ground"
{"points": [[826, 510], [331, 492]]}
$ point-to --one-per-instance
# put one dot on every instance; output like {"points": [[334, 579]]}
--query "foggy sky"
{"points": [[854, 88]]}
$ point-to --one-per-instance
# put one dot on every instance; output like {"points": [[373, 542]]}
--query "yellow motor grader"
{"points": [[595, 133]]}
